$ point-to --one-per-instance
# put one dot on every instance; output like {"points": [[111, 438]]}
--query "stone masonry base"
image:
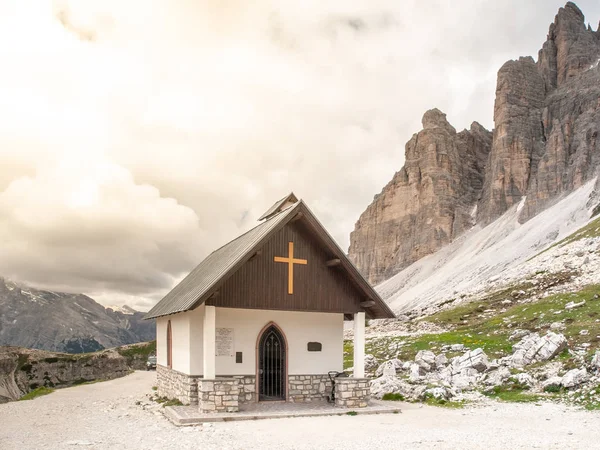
{"points": [[247, 386], [352, 392], [301, 388], [176, 385], [308, 388], [219, 395]]}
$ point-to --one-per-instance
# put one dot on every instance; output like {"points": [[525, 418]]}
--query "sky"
{"points": [[136, 136]]}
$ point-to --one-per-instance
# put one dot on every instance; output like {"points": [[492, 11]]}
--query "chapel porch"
{"points": [[191, 415]]}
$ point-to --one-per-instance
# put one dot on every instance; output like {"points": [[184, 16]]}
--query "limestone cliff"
{"points": [[429, 201], [544, 145]]}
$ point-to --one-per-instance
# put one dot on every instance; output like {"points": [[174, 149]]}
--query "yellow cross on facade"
{"points": [[290, 260]]}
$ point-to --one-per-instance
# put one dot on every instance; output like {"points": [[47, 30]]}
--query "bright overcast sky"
{"points": [[136, 136]]}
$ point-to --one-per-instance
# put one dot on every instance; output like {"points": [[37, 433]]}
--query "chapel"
{"points": [[262, 318]]}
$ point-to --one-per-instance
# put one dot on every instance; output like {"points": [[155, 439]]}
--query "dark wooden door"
{"points": [[271, 365]]}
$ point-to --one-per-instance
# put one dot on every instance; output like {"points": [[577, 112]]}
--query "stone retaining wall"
{"points": [[308, 388], [176, 385], [352, 392], [219, 395]]}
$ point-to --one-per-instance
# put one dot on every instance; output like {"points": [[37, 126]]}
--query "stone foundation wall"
{"points": [[247, 387], [308, 388], [352, 392], [176, 385], [220, 395]]}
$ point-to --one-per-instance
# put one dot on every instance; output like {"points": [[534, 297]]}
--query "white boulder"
{"points": [[370, 362], [498, 376], [387, 385], [596, 361], [425, 359], [473, 359], [389, 368], [573, 305], [416, 372], [441, 360], [524, 379], [574, 377], [533, 348], [439, 393]]}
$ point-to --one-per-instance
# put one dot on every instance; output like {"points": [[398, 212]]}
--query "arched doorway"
{"points": [[272, 357]]}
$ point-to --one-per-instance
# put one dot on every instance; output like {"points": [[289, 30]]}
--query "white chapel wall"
{"points": [[299, 329], [196, 333], [180, 332]]}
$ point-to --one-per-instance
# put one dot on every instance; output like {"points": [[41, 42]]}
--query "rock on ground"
{"points": [[574, 378]]}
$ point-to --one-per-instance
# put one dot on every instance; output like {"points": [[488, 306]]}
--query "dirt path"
{"points": [[106, 416]]}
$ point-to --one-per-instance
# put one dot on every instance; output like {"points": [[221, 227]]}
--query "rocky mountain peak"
{"points": [[569, 49], [544, 145], [434, 118]]}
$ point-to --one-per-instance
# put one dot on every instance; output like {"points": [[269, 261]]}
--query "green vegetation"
{"points": [[166, 401], [516, 395], [139, 351], [351, 413], [172, 402], [393, 397], [552, 389], [155, 388], [348, 354], [432, 401], [38, 392]]}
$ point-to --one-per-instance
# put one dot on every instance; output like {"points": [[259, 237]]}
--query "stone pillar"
{"points": [[218, 395], [359, 345], [352, 392], [208, 343]]}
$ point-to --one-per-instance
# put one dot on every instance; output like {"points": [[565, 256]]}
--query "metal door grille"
{"points": [[271, 365]]}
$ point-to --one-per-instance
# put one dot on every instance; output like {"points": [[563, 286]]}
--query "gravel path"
{"points": [[106, 416]]}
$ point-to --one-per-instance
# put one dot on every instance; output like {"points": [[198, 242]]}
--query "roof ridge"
{"points": [[250, 230]]}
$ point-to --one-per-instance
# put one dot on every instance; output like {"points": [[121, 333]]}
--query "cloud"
{"points": [[85, 225], [225, 106]]}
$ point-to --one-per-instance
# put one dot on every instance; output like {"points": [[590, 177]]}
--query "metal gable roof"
{"points": [[279, 204], [205, 279], [211, 270]]}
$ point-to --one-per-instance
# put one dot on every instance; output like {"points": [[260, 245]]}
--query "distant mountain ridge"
{"points": [[544, 146], [61, 322]]}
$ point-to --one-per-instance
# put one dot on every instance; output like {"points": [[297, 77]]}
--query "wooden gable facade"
{"points": [[319, 283]]}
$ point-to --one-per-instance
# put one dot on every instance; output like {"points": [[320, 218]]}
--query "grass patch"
{"points": [[397, 397], [166, 401], [432, 401], [38, 392], [172, 402], [351, 413], [513, 393], [348, 354], [140, 351]]}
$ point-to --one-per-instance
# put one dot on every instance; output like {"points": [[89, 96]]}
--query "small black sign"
{"points": [[314, 346], [238, 357]]}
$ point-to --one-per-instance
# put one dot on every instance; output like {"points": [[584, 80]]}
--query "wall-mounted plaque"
{"points": [[238, 357], [314, 346], [224, 342]]}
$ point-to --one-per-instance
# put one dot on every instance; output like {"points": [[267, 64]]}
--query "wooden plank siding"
{"points": [[262, 283]]}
